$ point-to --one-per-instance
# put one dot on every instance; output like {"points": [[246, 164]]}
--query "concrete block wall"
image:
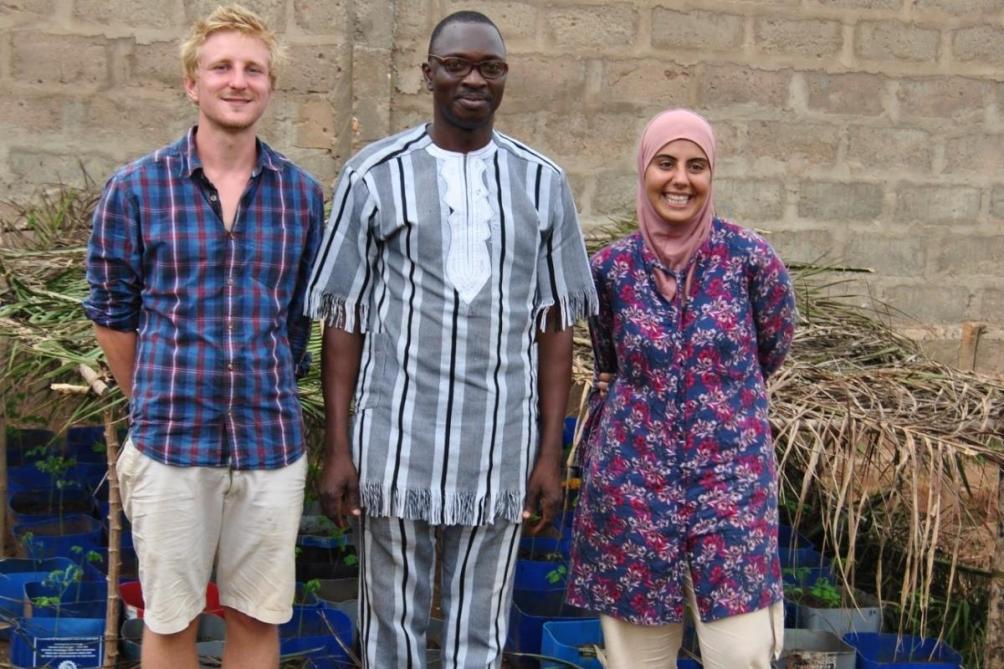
{"points": [[95, 83], [859, 132]]}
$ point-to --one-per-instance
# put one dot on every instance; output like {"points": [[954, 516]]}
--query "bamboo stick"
{"points": [[114, 541], [99, 387]]}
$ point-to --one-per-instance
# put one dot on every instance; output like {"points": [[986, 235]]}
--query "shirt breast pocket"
{"points": [[270, 258]]}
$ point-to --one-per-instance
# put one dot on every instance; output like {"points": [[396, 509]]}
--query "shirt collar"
{"points": [[190, 161]]}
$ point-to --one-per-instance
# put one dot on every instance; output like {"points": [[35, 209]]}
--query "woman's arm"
{"points": [[773, 302]]}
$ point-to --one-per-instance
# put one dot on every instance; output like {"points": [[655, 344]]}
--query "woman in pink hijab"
{"points": [[678, 505]]}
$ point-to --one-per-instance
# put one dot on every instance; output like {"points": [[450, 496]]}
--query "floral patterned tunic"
{"points": [[678, 460]]}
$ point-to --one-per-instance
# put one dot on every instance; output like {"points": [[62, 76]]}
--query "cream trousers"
{"points": [[747, 641]]}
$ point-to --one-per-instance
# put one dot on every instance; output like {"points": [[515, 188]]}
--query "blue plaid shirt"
{"points": [[221, 335]]}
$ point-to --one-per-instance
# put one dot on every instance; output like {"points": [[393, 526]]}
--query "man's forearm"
{"points": [[341, 352], [120, 351], [555, 380]]}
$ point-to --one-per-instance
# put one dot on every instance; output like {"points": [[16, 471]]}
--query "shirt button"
{"points": [[230, 366], [212, 197]]}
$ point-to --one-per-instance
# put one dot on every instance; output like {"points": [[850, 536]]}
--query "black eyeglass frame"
{"points": [[472, 65]]}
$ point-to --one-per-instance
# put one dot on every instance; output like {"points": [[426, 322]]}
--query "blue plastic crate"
{"points": [[14, 573], [20, 443], [802, 557], [55, 538], [787, 537], [566, 639], [86, 444], [27, 477], [893, 651], [82, 599], [312, 632], [530, 610], [48, 504], [568, 431], [533, 573], [48, 642]]}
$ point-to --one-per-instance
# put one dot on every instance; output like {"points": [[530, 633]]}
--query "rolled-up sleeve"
{"points": [[114, 257]]}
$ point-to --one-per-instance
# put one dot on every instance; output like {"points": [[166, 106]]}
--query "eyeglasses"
{"points": [[492, 68]]}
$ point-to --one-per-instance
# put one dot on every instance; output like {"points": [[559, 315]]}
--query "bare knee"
{"points": [[247, 624], [174, 638]]}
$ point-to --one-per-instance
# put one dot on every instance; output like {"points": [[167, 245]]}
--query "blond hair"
{"points": [[230, 17]]}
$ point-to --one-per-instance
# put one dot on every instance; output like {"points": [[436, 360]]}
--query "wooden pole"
{"points": [[96, 385], [114, 541], [970, 342]]}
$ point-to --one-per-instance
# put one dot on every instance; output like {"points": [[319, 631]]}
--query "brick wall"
{"points": [[863, 132]]}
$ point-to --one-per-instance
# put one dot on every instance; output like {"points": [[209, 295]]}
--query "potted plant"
{"points": [[541, 564], [64, 593], [14, 573], [47, 637], [823, 606], [329, 553]]}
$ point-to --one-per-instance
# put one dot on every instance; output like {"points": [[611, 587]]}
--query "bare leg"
{"points": [[251, 644], [170, 651]]}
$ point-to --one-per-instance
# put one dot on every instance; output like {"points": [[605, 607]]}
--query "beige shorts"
{"points": [[185, 518]]}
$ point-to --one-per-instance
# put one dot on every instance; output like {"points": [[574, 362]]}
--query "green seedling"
{"points": [[60, 580], [557, 575], [826, 593]]}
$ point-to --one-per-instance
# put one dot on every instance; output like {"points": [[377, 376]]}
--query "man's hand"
{"points": [[603, 382], [338, 488], [119, 348], [543, 492], [338, 485]]}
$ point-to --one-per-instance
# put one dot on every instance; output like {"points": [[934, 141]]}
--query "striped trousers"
{"points": [[397, 561]]}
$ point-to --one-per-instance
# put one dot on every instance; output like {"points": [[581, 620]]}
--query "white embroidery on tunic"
{"points": [[468, 264]]}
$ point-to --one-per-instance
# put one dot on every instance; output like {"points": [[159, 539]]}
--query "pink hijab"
{"points": [[674, 244]]}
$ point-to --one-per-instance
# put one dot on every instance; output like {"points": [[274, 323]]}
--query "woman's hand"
{"points": [[602, 381]]}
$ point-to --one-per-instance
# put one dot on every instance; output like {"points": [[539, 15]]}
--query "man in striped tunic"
{"points": [[450, 275]]}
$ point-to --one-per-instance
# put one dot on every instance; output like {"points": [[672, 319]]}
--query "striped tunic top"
{"points": [[449, 263]]}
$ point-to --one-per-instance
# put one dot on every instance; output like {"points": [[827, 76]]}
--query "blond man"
{"points": [[197, 265]]}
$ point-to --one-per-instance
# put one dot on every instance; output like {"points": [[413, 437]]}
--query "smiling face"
{"points": [[464, 106], [678, 181], [231, 85]]}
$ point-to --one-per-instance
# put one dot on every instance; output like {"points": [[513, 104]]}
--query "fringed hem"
{"points": [[456, 508], [573, 308], [337, 311]]}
